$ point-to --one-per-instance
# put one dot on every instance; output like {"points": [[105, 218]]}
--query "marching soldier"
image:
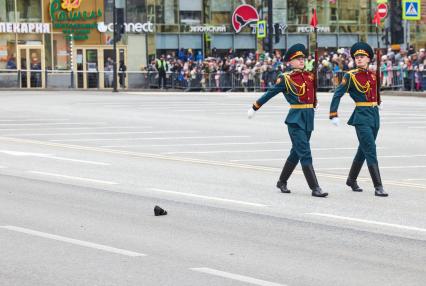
{"points": [[361, 84], [298, 89]]}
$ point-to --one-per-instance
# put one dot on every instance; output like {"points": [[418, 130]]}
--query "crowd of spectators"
{"points": [[403, 69]]}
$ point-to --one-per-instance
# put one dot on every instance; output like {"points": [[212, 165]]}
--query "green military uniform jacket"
{"points": [[298, 89], [361, 86]]}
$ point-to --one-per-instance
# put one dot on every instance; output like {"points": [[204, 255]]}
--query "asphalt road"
{"points": [[80, 174]]}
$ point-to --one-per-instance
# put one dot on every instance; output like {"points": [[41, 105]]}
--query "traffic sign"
{"points": [[261, 29], [382, 10], [411, 10]]}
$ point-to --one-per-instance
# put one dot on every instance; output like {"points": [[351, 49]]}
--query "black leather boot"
{"points": [[377, 181], [285, 174], [353, 175], [311, 178]]}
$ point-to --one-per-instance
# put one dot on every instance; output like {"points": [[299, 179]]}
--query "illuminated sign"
{"points": [[244, 15], [147, 27], [70, 5], [25, 28], [207, 29], [64, 17]]}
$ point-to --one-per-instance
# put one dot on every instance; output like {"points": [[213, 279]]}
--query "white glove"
{"points": [[335, 121], [380, 106], [250, 113], [316, 108]]}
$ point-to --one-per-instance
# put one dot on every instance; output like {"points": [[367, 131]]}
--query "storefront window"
{"points": [[61, 52], [7, 11], [30, 39], [7, 52], [28, 10]]}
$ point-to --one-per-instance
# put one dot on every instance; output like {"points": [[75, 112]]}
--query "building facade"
{"points": [[76, 35]]}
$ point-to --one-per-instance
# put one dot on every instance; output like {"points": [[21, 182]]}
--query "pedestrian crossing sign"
{"points": [[411, 9]]}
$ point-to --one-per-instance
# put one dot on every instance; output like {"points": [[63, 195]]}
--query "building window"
{"points": [[221, 12], [28, 10], [136, 11], [190, 12], [7, 11], [166, 12], [297, 12]]}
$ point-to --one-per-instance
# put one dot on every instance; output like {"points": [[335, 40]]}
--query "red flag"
{"points": [[376, 19], [314, 20]]}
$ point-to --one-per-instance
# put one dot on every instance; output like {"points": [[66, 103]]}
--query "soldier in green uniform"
{"points": [[298, 89], [360, 83]]}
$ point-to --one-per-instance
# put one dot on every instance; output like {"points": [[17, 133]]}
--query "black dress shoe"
{"points": [[380, 192], [354, 186], [283, 187], [319, 193]]}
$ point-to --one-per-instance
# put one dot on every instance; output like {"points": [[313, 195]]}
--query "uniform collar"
{"points": [[296, 70], [362, 69]]}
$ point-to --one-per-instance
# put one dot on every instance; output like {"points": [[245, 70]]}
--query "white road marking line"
{"points": [[43, 124], [79, 161], [327, 158], [150, 138], [73, 241], [77, 128], [214, 144], [236, 277], [381, 167], [49, 156], [113, 139], [368, 221], [254, 151], [414, 180], [417, 127], [207, 197], [73, 178], [32, 119], [403, 122], [187, 160], [100, 133]]}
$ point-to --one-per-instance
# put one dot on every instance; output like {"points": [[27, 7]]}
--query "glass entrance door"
{"points": [[95, 67], [31, 65], [108, 67], [87, 68]]}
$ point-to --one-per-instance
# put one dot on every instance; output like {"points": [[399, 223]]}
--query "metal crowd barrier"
{"points": [[395, 79]]}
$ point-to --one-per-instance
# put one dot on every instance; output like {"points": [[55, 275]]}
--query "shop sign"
{"points": [[244, 15], [25, 28], [147, 27], [207, 29], [281, 28], [65, 17], [309, 29]]}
